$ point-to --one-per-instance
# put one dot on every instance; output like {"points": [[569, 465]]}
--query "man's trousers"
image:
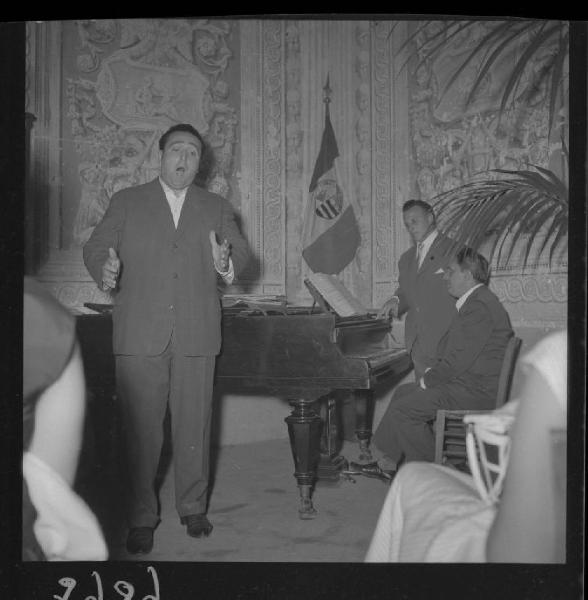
{"points": [[406, 432], [145, 386]]}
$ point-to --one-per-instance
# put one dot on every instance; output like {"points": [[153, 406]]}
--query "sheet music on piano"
{"points": [[339, 298], [263, 303]]}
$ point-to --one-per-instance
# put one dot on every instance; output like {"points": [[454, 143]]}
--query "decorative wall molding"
{"points": [[250, 176], [383, 258], [362, 190], [531, 288], [274, 136], [391, 172], [294, 134]]}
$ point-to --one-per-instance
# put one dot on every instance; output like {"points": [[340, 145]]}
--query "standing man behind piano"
{"points": [[422, 293], [157, 249]]}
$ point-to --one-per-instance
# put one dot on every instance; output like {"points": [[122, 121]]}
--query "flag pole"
{"points": [[327, 93]]}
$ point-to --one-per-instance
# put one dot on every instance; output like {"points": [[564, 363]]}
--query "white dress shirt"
{"points": [[425, 245], [464, 297]]}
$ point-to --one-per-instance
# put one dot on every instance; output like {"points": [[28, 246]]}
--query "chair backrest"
{"points": [[507, 371]]}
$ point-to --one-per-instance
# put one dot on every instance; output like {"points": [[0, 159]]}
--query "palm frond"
{"points": [[514, 211], [502, 44], [497, 42], [532, 48], [412, 38], [556, 77]]}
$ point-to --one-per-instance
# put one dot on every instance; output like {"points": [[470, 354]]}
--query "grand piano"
{"points": [[302, 354]]}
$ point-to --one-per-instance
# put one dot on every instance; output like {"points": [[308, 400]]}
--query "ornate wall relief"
{"points": [[262, 179], [452, 147], [391, 175], [126, 81], [294, 135], [162, 72]]}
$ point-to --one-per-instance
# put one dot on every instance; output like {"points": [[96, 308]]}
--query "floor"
{"points": [[253, 508]]}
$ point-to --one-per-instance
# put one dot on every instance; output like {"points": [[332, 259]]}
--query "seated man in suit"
{"points": [[464, 376]]}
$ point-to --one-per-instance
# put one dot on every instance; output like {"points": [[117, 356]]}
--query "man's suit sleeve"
{"points": [[466, 338], [239, 245], [105, 235]]}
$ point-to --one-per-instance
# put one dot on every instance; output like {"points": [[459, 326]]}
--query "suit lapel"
{"points": [[435, 257]]}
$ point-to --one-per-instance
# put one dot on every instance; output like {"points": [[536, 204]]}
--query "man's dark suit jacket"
{"points": [[423, 295], [471, 352], [167, 276]]}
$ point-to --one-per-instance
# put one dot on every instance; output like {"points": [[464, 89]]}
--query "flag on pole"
{"points": [[332, 233]]}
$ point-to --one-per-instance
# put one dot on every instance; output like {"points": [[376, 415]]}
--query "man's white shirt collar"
{"points": [[425, 245], [171, 192], [461, 300], [428, 241], [174, 199]]}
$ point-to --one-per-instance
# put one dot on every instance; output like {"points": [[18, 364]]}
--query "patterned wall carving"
{"points": [[382, 135], [262, 178], [160, 72], [273, 136], [294, 158], [363, 160], [532, 288]]}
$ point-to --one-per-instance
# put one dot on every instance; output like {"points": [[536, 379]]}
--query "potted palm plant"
{"points": [[504, 209]]}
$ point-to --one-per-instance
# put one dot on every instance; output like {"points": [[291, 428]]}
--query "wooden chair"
{"points": [[450, 431]]}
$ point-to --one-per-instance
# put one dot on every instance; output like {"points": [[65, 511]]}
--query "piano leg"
{"points": [[364, 415], [331, 463], [304, 427]]}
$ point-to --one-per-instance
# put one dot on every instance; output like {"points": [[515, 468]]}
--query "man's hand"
{"points": [[220, 253], [110, 270], [389, 309], [422, 379]]}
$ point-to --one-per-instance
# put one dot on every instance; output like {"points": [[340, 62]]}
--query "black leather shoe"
{"points": [[372, 469], [197, 525], [140, 540]]}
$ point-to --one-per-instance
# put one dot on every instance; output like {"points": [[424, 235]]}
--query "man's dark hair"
{"points": [[180, 127], [206, 156], [472, 261], [420, 204]]}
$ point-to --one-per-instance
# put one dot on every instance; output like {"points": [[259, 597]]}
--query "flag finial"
{"points": [[327, 92]]}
